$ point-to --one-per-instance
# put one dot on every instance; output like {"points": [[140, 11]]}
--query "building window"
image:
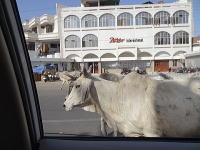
{"points": [[72, 41], [175, 63], [90, 40], [162, 17], [54, 45], [181, 37], [180, 17], [49, 28], [31, 46], [34, 29], [107, 20], [89, 21], [143, 18], [162, 38], [125, 19], [71, 22]]}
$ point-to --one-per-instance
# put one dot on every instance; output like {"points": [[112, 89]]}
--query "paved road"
{"points": [[57, 120]]}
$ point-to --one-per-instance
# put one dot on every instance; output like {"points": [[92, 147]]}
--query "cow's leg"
{"points": [[152, 133], [103, 127], [115, 132], [115, 129]]}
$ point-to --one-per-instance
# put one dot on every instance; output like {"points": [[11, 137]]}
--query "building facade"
{"points": [[43, 41], [106, 35]]}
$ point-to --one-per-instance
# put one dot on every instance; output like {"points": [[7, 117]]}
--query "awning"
{"points": [[41, 69], [51, 60]]}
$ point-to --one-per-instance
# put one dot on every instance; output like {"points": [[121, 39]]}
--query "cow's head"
{"points": [[80, 93]]}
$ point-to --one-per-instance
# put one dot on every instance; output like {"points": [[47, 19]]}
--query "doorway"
{"points": [[161, 66], [94, 68]]}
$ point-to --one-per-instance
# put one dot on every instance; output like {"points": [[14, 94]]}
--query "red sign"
{"points": [[116, 40]]}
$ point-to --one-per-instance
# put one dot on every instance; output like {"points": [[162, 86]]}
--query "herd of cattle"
{"points": [[137, 105]]}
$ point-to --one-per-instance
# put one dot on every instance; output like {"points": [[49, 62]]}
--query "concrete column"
{"points": [[99, 67], [60, 66], [171, 63], [82, 65], [69, 66], [93, 67], [152, 66], [38, 29], [38, 47]]}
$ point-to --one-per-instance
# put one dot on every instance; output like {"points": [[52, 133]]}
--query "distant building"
{"points": [[193, 58], [107, 35]]}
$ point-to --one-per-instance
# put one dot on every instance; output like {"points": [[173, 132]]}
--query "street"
{"points": [[56, 120]]}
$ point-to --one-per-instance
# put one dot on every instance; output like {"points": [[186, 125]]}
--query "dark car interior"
{"points": [[21, 123]]}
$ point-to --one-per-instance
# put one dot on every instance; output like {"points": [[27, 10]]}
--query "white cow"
{"points": [[91, 107], [139, 106]]}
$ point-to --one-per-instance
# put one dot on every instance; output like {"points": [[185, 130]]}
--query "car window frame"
{"points": [[16, 43]]}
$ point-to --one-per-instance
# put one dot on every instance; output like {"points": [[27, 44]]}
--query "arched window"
{"points": [[89, 21], [162, 38], [89, 40], [71, 22], [180, 17], [143, 18], [181, 37], [162, 17], [72, 41], [107, 20], [125, 19]]}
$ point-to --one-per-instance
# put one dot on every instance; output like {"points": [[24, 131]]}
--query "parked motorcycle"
{"points": [[49, 77], [45, 78], [125, 71]]}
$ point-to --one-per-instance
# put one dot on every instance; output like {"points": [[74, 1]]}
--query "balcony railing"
{"points": [[30, 35], [49, 55], [48, 36], [33, 21], [46, 19]]}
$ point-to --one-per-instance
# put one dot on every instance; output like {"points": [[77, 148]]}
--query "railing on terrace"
{"points": [[143, 6], [34, 21], [46, 18]]}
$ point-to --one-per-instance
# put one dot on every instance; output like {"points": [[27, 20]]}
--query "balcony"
{"points": [[31, 35], [50, 55], [34, 22], [55, 55], [46, 19], [48, 36]]}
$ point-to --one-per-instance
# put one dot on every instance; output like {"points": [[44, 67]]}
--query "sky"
{"points": [[34, 8]]}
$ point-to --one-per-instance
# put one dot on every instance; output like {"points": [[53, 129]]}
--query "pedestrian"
{"points": [[170, 69]]}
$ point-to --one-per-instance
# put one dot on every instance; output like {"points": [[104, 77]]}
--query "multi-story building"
{"points": [[43, 40], [104, 34]]}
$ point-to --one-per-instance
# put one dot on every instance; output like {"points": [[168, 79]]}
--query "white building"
{"points": [[43, 40], [106, 35], [193, 58]]}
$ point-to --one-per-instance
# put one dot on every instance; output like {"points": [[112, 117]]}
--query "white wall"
{"points": [[193, 61], [196, 48]]}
